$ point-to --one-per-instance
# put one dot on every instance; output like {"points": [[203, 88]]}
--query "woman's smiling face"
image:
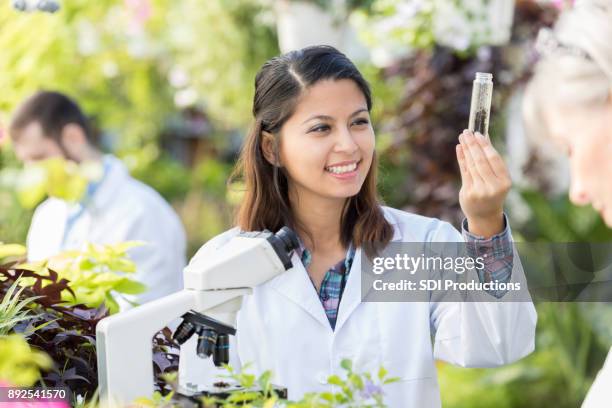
{"points": [[327, 145]]}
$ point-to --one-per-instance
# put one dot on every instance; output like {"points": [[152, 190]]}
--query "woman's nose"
{"points": [[578, 192], [346, 142]]}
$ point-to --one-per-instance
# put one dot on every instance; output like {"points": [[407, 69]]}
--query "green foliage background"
{"points": [[120, 71]]}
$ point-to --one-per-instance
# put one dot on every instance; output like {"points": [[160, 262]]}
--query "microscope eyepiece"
{"points": [[289, 237], [284, 242]]}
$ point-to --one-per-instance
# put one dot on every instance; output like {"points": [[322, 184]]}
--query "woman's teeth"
{"points": [[342, 169]]}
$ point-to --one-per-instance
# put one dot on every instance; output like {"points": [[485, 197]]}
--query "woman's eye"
{"points": [[361, 122], [321, 128]]}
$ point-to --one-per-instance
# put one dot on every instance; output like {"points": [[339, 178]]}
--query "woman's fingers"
{"points": [[474, 150], [465, 173], [469, 159], [495, 160]]}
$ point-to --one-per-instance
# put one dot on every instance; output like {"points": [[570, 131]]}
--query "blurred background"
{"points": [[169, 86]]}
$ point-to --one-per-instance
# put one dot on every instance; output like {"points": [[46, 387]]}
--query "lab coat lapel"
{"points": [[110, 185], [351, 298], [295, 285]]}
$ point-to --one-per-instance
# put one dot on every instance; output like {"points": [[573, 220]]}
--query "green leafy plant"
{"points": [[54, 177], [9, 251], [13, 309], [66, 333], [351, 390], [14, 218], [354, 390], [94, 274], [19, 363]]}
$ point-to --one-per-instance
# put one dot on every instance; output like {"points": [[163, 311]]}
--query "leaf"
{"points": [[346, 364], [356, 381], [162, 362], [71, 374], [19, 362], [335, 380], [7, 250], [270, 403], [327, 396], [242, 397], [144, 401], [382, 373], [64, 180], [111, 304], [122, 265], [130, 287], [32, 266], [247, 380], [264, 382]]}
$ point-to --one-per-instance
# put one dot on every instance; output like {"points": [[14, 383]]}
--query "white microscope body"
{"points": [[214, 286]]}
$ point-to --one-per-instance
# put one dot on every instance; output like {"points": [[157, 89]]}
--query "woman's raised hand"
{"points": [[485, 184]]}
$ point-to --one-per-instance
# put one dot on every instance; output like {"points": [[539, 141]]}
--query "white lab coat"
{"points": [[600, 394], [282, 327], [121, 209]]}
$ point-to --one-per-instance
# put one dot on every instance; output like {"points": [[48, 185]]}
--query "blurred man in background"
{"points": [[115, 208]]}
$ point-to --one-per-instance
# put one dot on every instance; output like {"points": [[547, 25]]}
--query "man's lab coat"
{"points": [[120, 209]]}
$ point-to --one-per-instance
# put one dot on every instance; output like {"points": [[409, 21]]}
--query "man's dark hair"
{"points": [[53, 111]]}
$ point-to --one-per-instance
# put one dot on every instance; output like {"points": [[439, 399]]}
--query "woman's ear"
{"points": [[268, 146]]}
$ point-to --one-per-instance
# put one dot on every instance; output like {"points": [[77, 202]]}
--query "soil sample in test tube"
{"points": [[480, 109]]}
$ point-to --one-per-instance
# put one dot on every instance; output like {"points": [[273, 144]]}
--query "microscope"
{"points": [[215, 283]]}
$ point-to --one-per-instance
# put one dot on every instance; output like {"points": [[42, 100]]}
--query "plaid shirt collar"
{"points": [[343, 266]]}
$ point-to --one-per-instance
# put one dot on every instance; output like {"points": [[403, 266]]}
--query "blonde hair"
{"points": [[575, 70]]}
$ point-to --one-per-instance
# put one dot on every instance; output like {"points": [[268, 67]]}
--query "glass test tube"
{"points": [[480, 109]]}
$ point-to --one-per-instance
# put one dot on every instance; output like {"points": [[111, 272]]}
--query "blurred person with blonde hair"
{"points": [[570, 101]]}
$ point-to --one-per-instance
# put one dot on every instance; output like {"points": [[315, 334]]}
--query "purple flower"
{"points": [[370, 390]]}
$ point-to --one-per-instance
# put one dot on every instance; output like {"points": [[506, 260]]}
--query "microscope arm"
{"points": [[215, 281], [124, 340]]}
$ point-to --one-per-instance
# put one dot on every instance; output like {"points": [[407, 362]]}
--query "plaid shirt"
{"points": [[497, 252], [333, 282]]}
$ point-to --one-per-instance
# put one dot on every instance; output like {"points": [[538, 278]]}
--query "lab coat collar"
{"points": [[351, 298], [295, 285]]}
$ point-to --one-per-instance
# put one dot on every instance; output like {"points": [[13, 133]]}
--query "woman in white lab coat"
{"points": [[569, 103], [309, 163]]}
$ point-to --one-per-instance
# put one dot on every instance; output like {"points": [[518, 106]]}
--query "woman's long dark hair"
{"points": [[278, 86]]}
